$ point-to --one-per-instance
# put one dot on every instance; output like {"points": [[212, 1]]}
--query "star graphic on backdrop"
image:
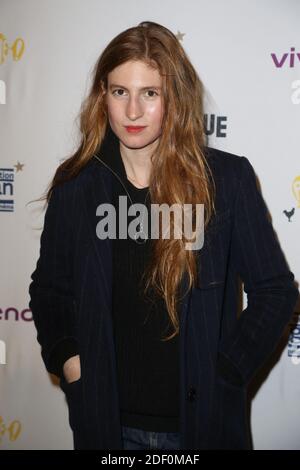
{"points": [[180, 35], [19, 166]]}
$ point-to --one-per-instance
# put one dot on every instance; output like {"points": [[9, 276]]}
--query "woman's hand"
{"points": [[71, 369]]}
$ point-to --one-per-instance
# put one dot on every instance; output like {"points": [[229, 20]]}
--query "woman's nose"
{"points": [[134, 108]]}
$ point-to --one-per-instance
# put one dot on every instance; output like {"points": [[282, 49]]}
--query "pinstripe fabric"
{"points": [[70, 298]]}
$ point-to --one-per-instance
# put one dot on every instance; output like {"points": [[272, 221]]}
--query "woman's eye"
{"points": [[118, 89], [116, 92], [152, 91]]}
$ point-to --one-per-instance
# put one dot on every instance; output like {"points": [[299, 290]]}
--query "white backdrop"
{"points": [[247, 53]]}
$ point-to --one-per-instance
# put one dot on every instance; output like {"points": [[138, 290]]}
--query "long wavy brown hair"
{"points": [[180, 173]]}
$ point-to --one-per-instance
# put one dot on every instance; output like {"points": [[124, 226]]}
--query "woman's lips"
{"points": [[134, 129]]}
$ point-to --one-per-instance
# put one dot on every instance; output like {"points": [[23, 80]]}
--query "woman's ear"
{"points": [[102, 87]]}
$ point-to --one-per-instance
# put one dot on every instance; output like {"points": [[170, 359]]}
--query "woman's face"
{"points": [[134, 98]]}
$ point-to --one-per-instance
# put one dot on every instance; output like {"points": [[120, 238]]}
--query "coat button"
{"points": [[191, 395]]}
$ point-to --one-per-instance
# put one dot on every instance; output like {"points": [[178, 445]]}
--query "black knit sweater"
{"points": [[148, 369]]}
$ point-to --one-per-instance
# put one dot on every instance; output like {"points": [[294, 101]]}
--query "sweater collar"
{"points": [[109, 154]]}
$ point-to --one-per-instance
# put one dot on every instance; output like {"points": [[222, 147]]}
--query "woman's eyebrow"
{"points": [[143, 88]]}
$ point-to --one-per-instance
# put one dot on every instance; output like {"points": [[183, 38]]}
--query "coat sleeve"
{"points": [[268, 283], [51, 291]]}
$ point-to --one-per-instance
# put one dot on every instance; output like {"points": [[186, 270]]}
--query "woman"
{"points": [[102, 305]]}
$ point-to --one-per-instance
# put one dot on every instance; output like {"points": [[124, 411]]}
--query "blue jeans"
{"points": [[135, 439]]}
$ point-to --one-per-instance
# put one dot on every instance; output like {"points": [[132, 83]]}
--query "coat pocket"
{"points": [[228, 424], [73, 393]]}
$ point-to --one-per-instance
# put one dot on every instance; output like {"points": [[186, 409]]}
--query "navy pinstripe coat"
{"points": [[220, 352]]}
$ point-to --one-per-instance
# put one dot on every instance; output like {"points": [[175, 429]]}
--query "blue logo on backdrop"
{"points": [[294, 339], [7, 177]]}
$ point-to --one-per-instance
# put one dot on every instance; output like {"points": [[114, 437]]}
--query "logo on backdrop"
{"points": [[296, 193], [13, 314], [7, 181], [2, 92], [215, 125], [2, 352], [11, 429], [16, 48], [287, 59], [294, 340]]}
